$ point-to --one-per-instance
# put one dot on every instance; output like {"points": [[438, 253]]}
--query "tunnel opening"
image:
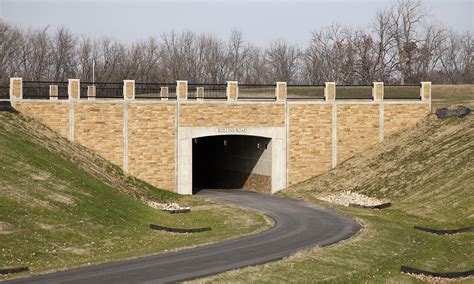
{"points": [[232, 162]]}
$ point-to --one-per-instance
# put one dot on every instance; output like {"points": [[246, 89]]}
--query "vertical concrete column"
{"points": [[182, 90], [53, 92], [128, 90], [16, 88], [377, 91], [91, 93], [330, 91], [73, 89], [232, 90], [377, 96], [164, 93], [425, 93], [200, 94], [281, 91]]}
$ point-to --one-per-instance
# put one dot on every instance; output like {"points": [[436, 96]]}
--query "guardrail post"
{"points": [[16, 88], [182, 90], [232, 90], [199, 93], [164, 93], [281, 91], [330, 91], [73, 89], [377, 91], [91, 93], [128, 90], [53, 92]]}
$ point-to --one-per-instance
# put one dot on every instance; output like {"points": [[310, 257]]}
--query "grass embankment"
{"points": [[63, 206], [428, 173]]}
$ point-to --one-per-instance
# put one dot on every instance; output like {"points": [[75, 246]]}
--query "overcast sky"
{"points": [[260, 20]]}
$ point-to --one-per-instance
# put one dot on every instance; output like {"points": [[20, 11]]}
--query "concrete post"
{"points": [[91, 93], [181, 90], [281, 91], [377, 91], [16, 88], [425, 91], [330, 91], [200, 94], [53, 92], [73, 89], [164, 93], [128, 90], [232, 91]]}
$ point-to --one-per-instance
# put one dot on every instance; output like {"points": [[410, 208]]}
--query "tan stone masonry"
{"points": [[142, 136]]}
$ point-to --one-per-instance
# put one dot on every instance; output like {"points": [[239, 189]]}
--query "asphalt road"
{"points": [[297, 226]]}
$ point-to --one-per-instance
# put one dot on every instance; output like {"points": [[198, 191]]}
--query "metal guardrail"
{"points": [[354, 92], [105, 90], [402, 92], [305, 92], [4, 92], [39, 90], [211, 91], [257, 92], [153, 90]]}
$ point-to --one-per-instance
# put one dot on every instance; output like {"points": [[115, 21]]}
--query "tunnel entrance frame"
{"points": [[184, 169]]}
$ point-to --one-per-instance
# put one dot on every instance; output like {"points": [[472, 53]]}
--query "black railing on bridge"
{"points": [[257, 92], [153, 91], [211, 91], [353, 92], [402, 92], [39, 90], [305, 92], [104, 90], [4, 92]]}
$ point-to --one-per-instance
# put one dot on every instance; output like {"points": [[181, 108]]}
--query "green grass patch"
{"points": [[427, 173], [57, 215]]}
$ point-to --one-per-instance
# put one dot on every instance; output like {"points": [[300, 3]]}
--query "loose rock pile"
{"points": [[172, 206], [347, 197]]}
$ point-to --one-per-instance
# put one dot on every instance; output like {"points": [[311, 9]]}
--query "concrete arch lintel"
{"points": [[185, 149]]}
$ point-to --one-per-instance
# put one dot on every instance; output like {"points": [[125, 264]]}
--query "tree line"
{"points": [[400, 45]]}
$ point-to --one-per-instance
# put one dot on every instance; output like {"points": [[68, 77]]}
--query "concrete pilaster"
{"points": [[232, 90], [73, 89], [281, 91], [128, 90], [330, 91], [377, 91], [182, 90], [91, 93], [16, 88], [200, 93], [164, 93], [53, 92]]}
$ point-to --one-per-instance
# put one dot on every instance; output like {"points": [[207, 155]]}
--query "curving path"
{"points": [[297, 226]]}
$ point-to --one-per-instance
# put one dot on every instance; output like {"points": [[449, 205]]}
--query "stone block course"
{"points": [[55, 115], [151, 143], [225, 114], [400, 116], [99, 127], [357, 128], [309, 141]]}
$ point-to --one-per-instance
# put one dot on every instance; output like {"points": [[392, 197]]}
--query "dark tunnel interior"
{"points": [[232, 162]]}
